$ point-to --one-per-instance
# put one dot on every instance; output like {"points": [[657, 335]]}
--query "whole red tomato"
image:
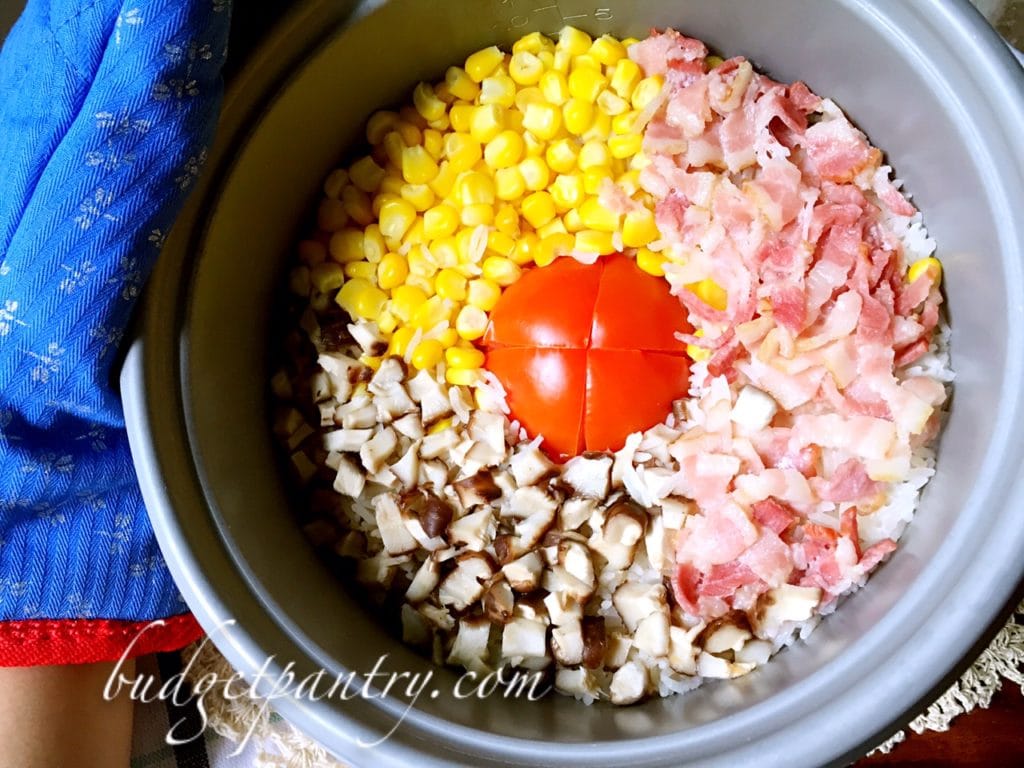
{"points": [[588, 353]]}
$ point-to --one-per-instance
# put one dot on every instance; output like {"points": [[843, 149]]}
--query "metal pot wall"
{"points": [[928, 81]]}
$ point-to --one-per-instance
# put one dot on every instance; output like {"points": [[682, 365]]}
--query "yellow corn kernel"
{"points": [[509, 183], [366, 174], [585, 84], [554, 227], [538, 208], [444, 93], [331, 214], [392, 271], [462, 151], [611, 104], [473, 187], [363, 269], [418, 167], [578, 116], [400, 341], [711, 293], [396, 217], [525, 68], [464, 357], [440, 426], [374, 247], [427, 354], [426, 102], [449, 337], [441, 124], [561, 62], [499, 243], [543, 120], [593, 178], [327, 276], [625, 78], [629, 182], [596, 216], [593, 241], [561, 155], [387, 322], [415, 235], [498, 89], [433, 142], [574, 41], [625, 123], [393, 146], [535, 173], [444, 252], [462, 377], [479, 214], [346, 245], [625, 145], [483, 294], [646, 90], [639, 161], [594, 154], [554, 86], [600, 129], [425, 284], [470, 245], [379, 125], [420, 195], [421, 263], [628, 41], [487, 122], [650, 262], [607, 50], [929, 266], [572, 221], [408, 114], [501, 270], [713, 62], [380, 199], [697, 354], [440, 221], [335, 182], [482, 63], [504, 150], [461, 84], [567, 191], [360, 298], [406, 299], [444, 182], [534, 42], [412, 135], [450, 284], [312, 252], [393, 181], [525, 249], [461, 116], [553, 246], [506, 220], [639, 228], [471, 322]]}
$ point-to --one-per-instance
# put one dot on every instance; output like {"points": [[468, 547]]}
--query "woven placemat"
{"points": [[279, 744]]}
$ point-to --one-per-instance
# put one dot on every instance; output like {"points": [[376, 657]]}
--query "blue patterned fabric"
{"points": [[106, 110]]}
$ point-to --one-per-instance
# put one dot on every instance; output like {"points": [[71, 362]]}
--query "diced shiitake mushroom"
{"points": [[726, 637], [433, 473], [567, 643], [487, 430], [475, 530], [434, 403], [530, 530], [424, 582], [439, 444], [525, 502], [465, 584], [595, 641], [589, 474], [346, 440], [624, 526], [433, 513], [470, 648], [477, 489], [523, 574], [390, 372], [635, 602], [629, 684], [350, 478], [562, 608], [575, 512], [393, 531], [375, 452], [788, 603], [674, 512], [393, 403], [524, 642], [652, 634], [711, 666], [409, 425], [529, 466], [682, 656], [579, 682], [367, 335], [407, 468], [617, 647], [499, 602]]}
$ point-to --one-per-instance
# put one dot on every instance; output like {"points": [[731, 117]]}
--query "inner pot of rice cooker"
{"points": [[929, 82]]}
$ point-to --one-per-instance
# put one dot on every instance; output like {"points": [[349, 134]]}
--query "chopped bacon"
{"points": [[838, 150], [788, 307], [723, 580], [774, 516], [662, 51], [801, 97], [684, 587], [848, 528], [849, 482], [910, 354], [874, 554]]}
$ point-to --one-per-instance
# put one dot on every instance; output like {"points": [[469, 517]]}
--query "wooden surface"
{"points": [[985, 738]]}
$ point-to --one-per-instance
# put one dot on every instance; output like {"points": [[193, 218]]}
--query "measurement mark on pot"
{"points": [[524, 14]]}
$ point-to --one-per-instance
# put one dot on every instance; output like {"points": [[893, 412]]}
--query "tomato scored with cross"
{"points": [[588, 353]]}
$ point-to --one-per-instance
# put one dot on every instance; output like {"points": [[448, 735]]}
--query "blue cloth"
{"points": [[106, 111]]}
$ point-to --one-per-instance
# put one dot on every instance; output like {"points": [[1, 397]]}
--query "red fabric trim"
{"points": [[36, 642]]}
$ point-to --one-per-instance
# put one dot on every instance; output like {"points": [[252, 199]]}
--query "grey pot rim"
{"points": [[146, 371]]}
